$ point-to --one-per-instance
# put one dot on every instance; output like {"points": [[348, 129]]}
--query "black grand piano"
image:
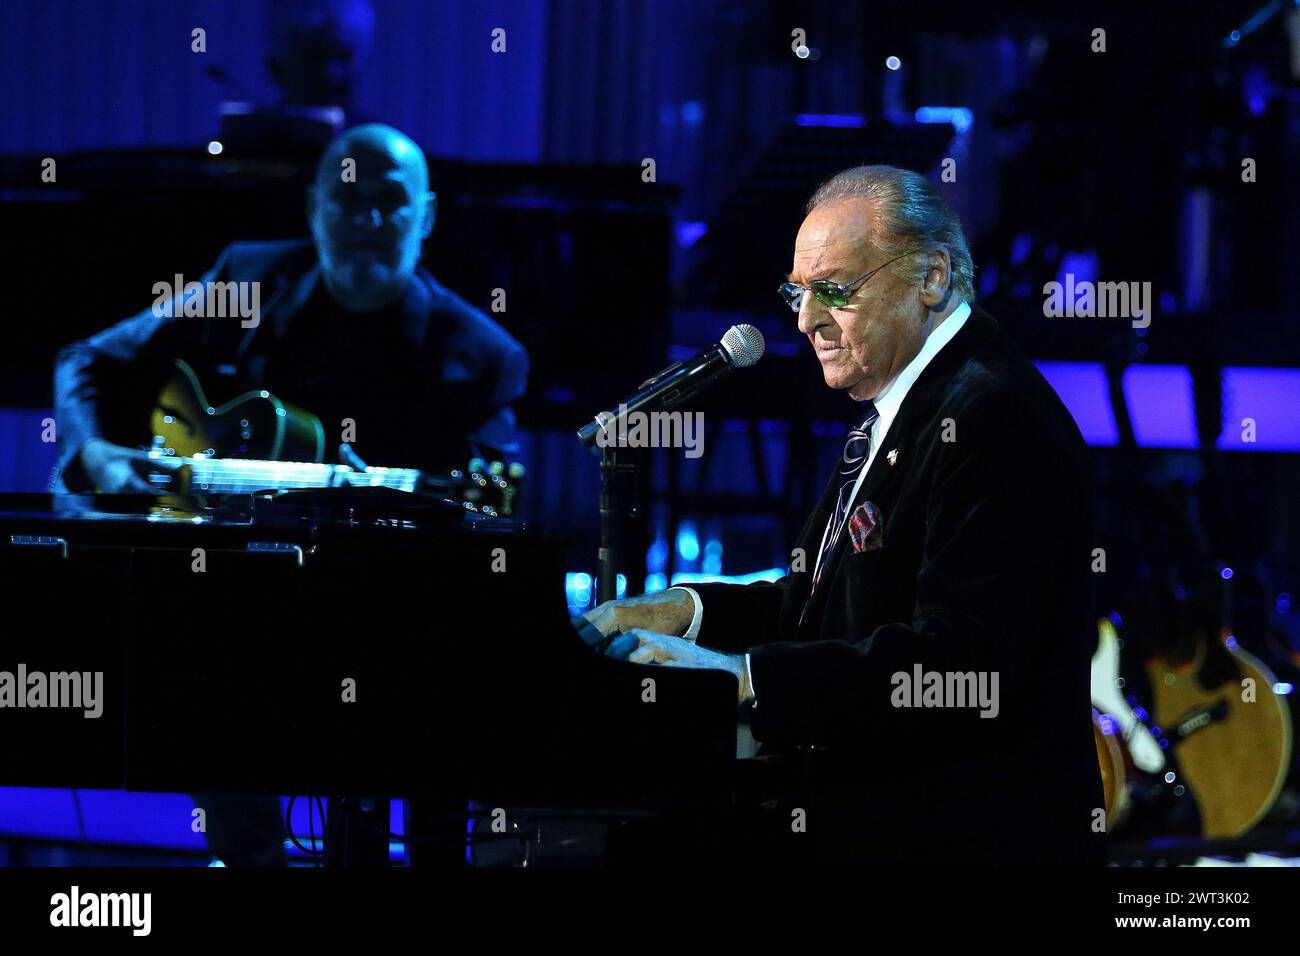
{"points": [[391, 645]]}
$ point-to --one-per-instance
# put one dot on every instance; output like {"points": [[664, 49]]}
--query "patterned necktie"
{"points": [[857, 447]]}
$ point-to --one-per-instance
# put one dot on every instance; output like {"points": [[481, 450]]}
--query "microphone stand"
{"points": [[612, 466], [615, 470], [616, 467]]}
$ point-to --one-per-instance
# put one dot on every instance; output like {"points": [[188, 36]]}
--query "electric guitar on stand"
{"points": [[1213, 724], [1201, 729]]}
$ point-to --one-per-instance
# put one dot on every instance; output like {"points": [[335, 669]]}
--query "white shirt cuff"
{"points": [[693, 631]]}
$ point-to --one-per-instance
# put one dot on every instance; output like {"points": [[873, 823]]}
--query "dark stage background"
{"points": [[1122, 165]]}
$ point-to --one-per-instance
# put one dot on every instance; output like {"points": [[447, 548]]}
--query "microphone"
{"points": [[741, 347]]}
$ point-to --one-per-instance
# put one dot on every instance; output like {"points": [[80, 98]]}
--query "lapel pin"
{"points": [[893, 457]]}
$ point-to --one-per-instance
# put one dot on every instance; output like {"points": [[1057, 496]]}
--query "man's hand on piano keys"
{"points": [[668, 612], [669, 651]]}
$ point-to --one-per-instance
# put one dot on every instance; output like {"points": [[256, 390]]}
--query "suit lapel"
{"points": [[287, 297], [880, 485], [809, 542], [870, 490]]}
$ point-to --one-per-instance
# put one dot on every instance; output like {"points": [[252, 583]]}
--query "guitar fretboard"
{"points": [[234, 476]]}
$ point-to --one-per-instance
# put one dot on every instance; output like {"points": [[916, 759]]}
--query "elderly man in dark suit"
{"points": [[348, 327], [927, 656]]}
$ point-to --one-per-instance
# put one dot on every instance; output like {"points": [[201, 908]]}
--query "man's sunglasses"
{"points": [[828, 293]]}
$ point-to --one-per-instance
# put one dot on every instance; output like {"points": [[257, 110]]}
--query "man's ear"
{"points": [[938, 279], [312, 202], [430, 214]]}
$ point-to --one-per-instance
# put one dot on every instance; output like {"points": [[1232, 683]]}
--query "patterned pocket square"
{"points": [[866, 528]]}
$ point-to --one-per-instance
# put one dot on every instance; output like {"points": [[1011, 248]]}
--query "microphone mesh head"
{"points": [[743, 345]]}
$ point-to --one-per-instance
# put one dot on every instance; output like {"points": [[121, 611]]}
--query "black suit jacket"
{"points": [[984, 567], [428, 381]]}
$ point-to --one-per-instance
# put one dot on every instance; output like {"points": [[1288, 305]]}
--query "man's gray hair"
{"points": [[910, 214]]}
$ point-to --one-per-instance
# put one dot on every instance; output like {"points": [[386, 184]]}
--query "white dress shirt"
{"points": [[888, 402]]}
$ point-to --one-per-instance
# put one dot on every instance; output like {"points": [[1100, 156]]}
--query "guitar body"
{"points": [[255, 425], [256, 442], [1232, 753], [1113, 763]]}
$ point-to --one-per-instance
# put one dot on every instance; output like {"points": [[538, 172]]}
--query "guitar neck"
{"points": [[233, 476]]}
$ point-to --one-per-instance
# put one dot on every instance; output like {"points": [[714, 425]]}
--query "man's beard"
{"points": [[366, 282]]}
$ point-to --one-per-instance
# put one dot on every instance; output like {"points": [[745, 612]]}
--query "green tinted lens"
{"points": [[830, 294]]}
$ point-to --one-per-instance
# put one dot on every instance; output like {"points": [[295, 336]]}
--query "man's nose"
{"points": [[371, 218], [810, 317]]}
